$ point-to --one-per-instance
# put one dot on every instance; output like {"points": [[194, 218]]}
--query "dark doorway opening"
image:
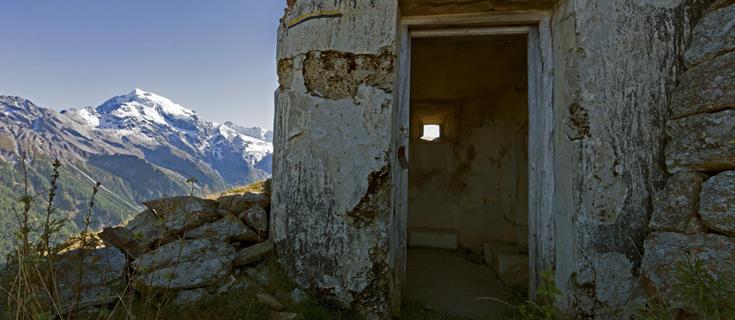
{"points": [[467, 225]]}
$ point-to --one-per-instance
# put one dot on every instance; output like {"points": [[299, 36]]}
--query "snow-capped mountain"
{"points": [[139, 145], [150, 121]]}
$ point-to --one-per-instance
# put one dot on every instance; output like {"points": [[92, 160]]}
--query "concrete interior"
{"points": [[468, 189]]}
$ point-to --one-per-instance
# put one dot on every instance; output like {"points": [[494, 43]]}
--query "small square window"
{"points": [[431, 132]]}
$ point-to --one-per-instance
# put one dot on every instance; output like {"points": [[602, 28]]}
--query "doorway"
{"points": [[467, 224]]}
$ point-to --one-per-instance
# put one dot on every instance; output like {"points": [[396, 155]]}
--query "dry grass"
{"points": [[262, 186]]}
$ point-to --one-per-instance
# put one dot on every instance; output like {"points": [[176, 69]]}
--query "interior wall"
{"points": [[475, 178]]}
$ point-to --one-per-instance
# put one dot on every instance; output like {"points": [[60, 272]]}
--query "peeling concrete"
{"points": [[615, 65], [338, 75]]}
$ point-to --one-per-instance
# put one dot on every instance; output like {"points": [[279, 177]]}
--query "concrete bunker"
{"points": [[467, 218]]}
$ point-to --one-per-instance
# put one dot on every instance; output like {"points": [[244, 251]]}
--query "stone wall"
{"points": [[616, 63], [695, 212]]}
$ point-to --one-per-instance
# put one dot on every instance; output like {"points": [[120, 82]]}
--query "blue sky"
{"points": [[215, 56]]}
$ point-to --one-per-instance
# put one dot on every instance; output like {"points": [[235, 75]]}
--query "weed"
{"points": [[708, 295]]}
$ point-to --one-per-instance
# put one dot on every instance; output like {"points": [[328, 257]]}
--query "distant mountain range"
{"points": [[139, 145]]}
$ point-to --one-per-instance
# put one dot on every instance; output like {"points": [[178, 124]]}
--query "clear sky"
{"points": [[213, 56]]}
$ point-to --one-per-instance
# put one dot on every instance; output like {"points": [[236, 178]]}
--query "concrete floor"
{"points": [[446, 282]]}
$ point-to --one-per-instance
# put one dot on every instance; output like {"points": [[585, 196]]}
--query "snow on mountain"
{"points": [[153, 128], [255, 132]]}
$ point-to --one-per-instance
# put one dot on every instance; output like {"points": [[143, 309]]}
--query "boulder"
{"points": [[714, 34], [121, 238], [184, 264], [102, 273], [183, 213], [717, 205], [297, 296], [664, 250], [285, 316], [260, 275], [270, 301], [702, 142], [254, 253], [147, 228], [243, 202], [256, 218], [707, 87], [190, 296], [677, 204], [226, 229]]}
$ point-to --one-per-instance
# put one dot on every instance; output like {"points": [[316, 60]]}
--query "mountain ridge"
{"points": [[140, 145]]}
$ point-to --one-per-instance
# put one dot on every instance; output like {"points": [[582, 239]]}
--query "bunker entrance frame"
{"points": [[535, 25]]}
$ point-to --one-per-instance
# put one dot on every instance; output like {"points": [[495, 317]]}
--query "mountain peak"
{"points": [[140, 105]]}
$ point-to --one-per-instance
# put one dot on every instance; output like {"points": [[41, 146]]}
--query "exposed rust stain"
{"points": [[579, 122]]}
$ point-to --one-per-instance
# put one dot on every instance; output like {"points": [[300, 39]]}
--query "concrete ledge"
{"points": [[429, 237]]}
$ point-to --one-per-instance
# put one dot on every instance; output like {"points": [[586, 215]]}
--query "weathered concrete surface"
{"points": [[611, 104], [431, 7], [363, 27], [675, 206], [717, 203], [707, 87], [612, 86], [702, 142], [331, 200], [714, 34], [665, 250]]}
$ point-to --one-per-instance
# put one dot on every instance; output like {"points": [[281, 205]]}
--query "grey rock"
{"points": [[102, 274], [225, 229], [243, 202], [707, 87], [297, 296], [678, 203], [717, 206], [256, 218], [121, 238], [254, 253], [714, 34], [270, 301], [147, 228], [190, 296], [185, 275], [227, 284], [260, 275], [695, 225], [285, 316], [702, 142], [184, 264], [664, 250], [183, 213]]}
